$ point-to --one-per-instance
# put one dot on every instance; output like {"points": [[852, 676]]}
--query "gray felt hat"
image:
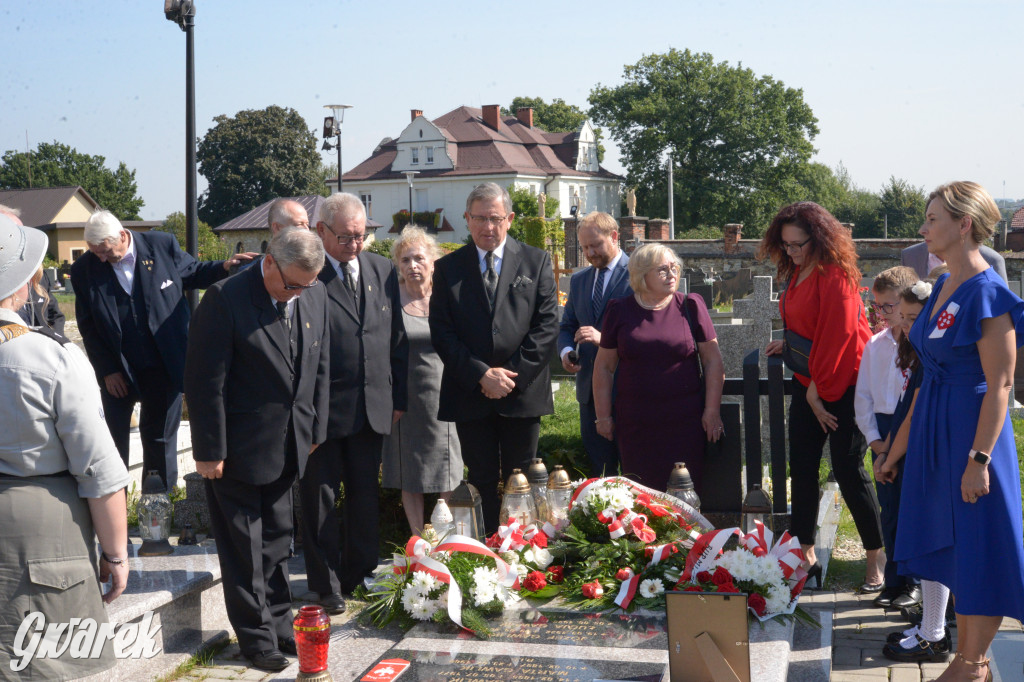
{"points": [[21, 252]]}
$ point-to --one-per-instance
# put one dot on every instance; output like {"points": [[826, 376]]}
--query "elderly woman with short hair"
{"points": [[658, 339], [422, 454]]}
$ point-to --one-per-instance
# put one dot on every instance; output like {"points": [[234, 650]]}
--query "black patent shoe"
{"points": [[922, 651], [272, 661], [815, 573], [910, 597], [885, 599]]}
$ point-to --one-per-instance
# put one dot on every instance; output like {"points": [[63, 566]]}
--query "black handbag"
{"points": [[796, 349]]}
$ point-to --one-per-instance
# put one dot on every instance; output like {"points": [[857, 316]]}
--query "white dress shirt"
{"points": [[353, 266], [124, 269], [879, 383], [607, 280], [499, 256]]}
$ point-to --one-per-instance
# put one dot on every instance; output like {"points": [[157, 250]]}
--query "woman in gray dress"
{"points": [[422, 454]]}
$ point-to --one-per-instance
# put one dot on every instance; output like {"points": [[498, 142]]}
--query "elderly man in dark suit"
{"points": [[257, 381], [133, 315], [493, 322], [369, 366], [923, 262], [589, 290]]}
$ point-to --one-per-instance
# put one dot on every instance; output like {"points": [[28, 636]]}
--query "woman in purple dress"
{"points": [[653, 345]]}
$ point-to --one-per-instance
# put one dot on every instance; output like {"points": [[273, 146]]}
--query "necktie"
{"points": [[598, 300], [490, 278], [350, 282], [282, 312]]}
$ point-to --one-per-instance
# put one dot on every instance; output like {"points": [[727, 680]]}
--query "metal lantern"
{"points": [[537, 475], [518, 502], [188, 535], [680, 486], [442, 519], [154, 517], [467, 510], [559, 494], [757, 506]]}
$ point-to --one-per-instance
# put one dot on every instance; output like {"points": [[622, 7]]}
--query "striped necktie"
{"points": [[598, 300]]}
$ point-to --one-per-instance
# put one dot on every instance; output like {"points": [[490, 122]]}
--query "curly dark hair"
{"points": [[832, 243]]}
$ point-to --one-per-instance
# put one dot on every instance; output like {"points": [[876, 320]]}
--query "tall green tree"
{"points": [[904, 206], [211, 247], [255, 156], [556, 117], [55, 164], [737, 141]]}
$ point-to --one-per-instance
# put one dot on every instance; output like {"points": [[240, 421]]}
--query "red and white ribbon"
{"points": [[535, 536], [661, 552], [615, 527], [511, 537], [627, 590], [705, 550], [786, 551]]}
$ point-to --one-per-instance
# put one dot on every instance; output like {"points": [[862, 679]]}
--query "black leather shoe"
{"points": [[884, 600], [272, 661], [813, 573], [287, 646], [333, 604], [910, 597], [868, 588], [921, 651]]}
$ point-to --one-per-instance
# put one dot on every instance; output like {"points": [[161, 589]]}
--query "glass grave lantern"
{"points": [[559, 494], [517, 503], [442, 520], [680, 486], [537, 475], [154, 509], [312, 638], [757, 506], [467, 510]]}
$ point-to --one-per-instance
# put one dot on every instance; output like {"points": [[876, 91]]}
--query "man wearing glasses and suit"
{"points": [[493, 322], [579, 333], [369, 364]]}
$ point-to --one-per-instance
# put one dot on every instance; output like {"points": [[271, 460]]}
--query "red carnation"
{"points": [[556, 574], [721, 576], [535, 581], [693, 588], [592, 590], [759, 551], [757, 602], [703, 577], [728, 587], [623, 574]]}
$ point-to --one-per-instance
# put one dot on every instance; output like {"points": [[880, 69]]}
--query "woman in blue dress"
{"points": [[960, 515]]}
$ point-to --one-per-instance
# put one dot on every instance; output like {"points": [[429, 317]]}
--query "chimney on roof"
{"points": [[525, 116], [416, 113], [492, 115]]}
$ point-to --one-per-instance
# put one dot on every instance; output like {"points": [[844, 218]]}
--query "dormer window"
{"points": [[430, 155], [415, 154]]}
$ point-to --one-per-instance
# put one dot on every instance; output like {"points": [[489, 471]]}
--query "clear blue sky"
{"points": [[928, 91]]}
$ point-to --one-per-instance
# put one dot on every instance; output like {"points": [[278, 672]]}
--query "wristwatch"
{"points": [[980, 457]]}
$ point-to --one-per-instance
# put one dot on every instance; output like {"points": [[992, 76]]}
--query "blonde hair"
{"points": [[965, 198], [647, 258], [413, 235], [603, 223], [894, 279]]}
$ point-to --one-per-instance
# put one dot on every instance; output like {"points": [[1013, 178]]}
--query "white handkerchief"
{"points": [[166, 284]]}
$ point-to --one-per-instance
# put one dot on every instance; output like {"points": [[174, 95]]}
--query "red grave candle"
{"points": [[312, 633]]}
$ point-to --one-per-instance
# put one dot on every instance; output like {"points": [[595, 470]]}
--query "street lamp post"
{"points": [[332, 128], [409, 175], [183, 13]]}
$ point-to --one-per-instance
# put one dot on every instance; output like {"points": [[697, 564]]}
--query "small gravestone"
{"points": [[761, 310]]}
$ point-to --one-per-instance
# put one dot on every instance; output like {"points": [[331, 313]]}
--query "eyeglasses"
{"points": [[494, 220], [667, 271], [795, 246], [294, 287], [886, 308], [347, 239]]}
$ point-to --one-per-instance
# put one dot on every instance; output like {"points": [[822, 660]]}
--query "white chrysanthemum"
{"points": [[482, 575], [442, 600], [651, 587], [423, 581], [539, 557], [483, 594], [778, 599], [424, 609], [509, 557], [412, 599], [614, 497]]}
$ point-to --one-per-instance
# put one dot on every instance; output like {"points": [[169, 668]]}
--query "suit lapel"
{"points": [[510, 261], [144, 264], [266, 314], [336, 290], [475, 282]]}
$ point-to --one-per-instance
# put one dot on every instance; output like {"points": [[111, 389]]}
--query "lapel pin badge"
{"points": [[307, 325]]}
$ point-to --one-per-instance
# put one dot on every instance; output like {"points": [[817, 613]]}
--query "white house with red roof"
{"points": [[467, 146]]}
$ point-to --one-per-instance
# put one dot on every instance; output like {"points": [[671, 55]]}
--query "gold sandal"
{"points": [[978, 664]]}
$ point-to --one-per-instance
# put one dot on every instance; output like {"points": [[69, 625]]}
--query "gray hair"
{"points": [[414, 235], [488, 191], [348, 205], [281, 211], [647, 258], [10, 210], [299, 247], [102, 226]]}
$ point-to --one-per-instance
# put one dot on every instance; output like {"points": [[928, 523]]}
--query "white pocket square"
{"points": [[166, 284]]}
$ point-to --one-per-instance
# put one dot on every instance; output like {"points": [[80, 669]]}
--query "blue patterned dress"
{"points": [[976, 549]]}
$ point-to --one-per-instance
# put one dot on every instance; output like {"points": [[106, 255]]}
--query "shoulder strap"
{"points": [[685, 305], [12, 330], [49, 333]]}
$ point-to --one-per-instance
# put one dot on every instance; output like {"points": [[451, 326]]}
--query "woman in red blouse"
{"points": [[814, 253]]}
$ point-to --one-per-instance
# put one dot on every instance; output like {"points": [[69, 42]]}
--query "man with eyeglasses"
{"points": [[493, 322], [257, 381], [369, 362]]}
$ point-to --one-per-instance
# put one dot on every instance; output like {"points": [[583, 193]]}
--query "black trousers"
{"points": [[847, 444], [492, 447], [336, 559], [253, 528], [159, 418]]}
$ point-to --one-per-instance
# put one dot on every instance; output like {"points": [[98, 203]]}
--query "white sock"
{"points": [[933, 605]]}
